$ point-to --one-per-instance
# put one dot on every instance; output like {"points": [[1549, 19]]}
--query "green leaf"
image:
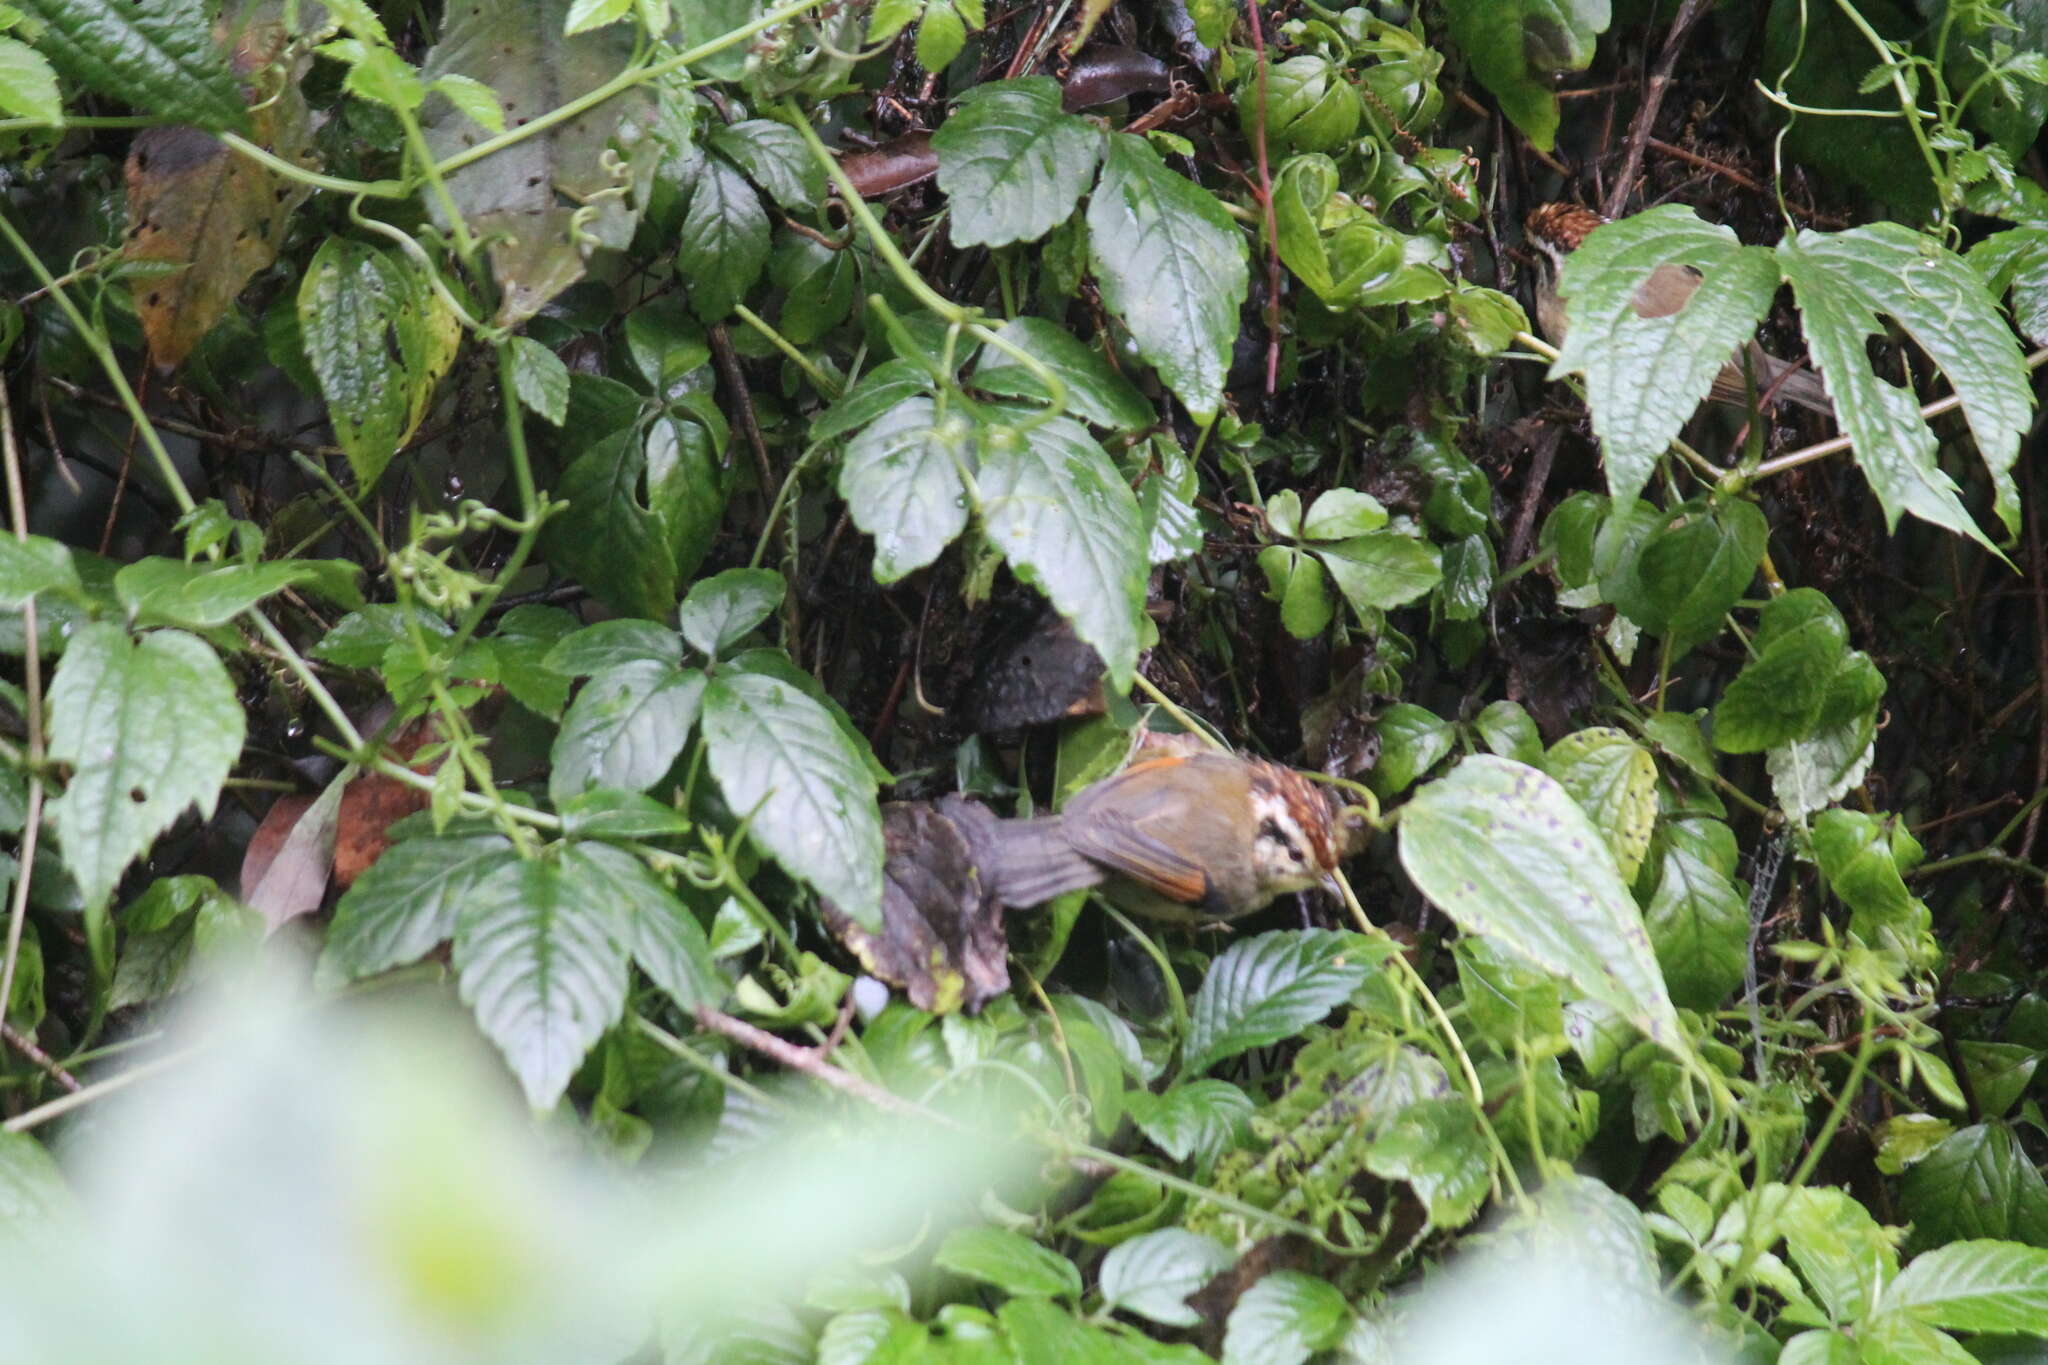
{"points": [[363, 638], [879, 390], [775, 156], [1507, 853], [1413, 739], [1068, 524], [1859, 856], [891, 17], [1153, 1274], [724, 241], [154, 55], [159, 591], [1698, 916], [2016, 261], [1341, 514], [1844, 281], [1614, 780], [665, 343], [609, 813], [1812, 773], [901, 481], [1837, 1246], [1011, 1262], [1284, 1319], [625, 728], [526, 637], [472, 99], [1295, 580], [1976, 1286], [541, 380], [1260, 990], [1895, 1339], [609, 538], [35, 565], [1510, 731], [379, 340], [28, 84], [545, 202], [1516, 46], [1171, 264], [1200, 1118], [1436, 1146], [720, 610], [1012, 162], [32, 1187], [940, 36], [538, 959], [589, 14], [781, 758], [594, 649], [652, 924], [1381, 570], [1692, 569], [150, 728], [407, 903], [817, 284], [1800, 645], [1978, 1183], [1646, 375], [1096, 393]]}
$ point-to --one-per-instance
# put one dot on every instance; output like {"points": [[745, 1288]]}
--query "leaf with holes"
{"points": [[379, 340], [545, 202], [150, 728], [783, 762], [1646, 375], [539, 960]]}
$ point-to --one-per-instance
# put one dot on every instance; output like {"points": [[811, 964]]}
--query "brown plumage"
{"points": [[1197, 838]]}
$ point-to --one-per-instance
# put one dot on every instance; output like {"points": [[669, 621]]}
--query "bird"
{"points": [[1556, 230], [1189, 838]]}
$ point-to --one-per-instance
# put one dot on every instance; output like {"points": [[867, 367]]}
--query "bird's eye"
{"points": [[1269, 828]]}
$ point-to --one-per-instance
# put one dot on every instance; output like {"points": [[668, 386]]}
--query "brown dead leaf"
{"points": [[372, 803], [898, 162], [942, 941], [218, 215]]}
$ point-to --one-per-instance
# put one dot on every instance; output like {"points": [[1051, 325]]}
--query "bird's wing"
{"points": [[1114, 841]]}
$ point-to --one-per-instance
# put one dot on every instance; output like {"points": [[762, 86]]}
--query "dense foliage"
{"points": [[503, 493]]}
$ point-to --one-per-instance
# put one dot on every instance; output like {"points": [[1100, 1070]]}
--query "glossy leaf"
{"points": [[407, 903], [720, 611], [157, 55], [1011, 1262], [901, 481], [1096, 393], [1153, 1274], [1262, 989], [1507, 853], [1172, 265], [724, 243], [1614, 781], [625, 728], [1013, 162]]}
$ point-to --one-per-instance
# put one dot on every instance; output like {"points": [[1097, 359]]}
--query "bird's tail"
{"points": [[1032, 862]]}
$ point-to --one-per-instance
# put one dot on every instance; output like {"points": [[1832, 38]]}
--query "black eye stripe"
{"points": [[1269, 828]]}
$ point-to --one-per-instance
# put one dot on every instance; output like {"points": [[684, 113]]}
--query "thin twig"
{"points": [[1653, 101], [811, 1062], [26, 1046], [32, 678]]}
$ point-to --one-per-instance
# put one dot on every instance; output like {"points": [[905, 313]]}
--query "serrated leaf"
{"points": [[1200, 1118], [159, 591], [407, 903], [1691, 570], [1152, 1275], [585, 15], [28, 84], [1413, 739], [610, 538], [1058, 511], [607, 644], [540, 379], [539, 961], [940, 36], [882, 388], [150, 728], [625, 728], [1646, 375], [1507, 853], [158, 56], [775, 156], [782, 759], [1979, 1183], [2015, 262], [654, 926], [545, 202], [379, 340], [1614, 780], [1010, 1261], [724, 241], [1259, 990], [1284, 1319], [1844, 281], [1096, 393], [901, 481], [1779, 694], [1515, 48], [1012, 162], [719, 611], [1171, 264]]}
